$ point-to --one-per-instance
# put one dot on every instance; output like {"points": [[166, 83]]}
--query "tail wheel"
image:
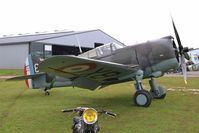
{"points": [[142, 98]]}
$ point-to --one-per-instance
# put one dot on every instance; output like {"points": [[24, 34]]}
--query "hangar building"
{"points": [[15, 49]]}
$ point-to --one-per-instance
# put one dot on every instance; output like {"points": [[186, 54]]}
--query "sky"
{"points": [[129, 21]]}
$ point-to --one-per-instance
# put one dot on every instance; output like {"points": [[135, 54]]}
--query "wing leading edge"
{"points": [[88, 73]]}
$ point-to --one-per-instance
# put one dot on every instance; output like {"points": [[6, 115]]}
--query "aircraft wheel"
{"points": [[47, 93], [142, 98], [162, 93], [163, 96]]}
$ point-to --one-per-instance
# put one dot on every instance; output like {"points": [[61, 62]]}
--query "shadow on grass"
{"points": [[87, 98], [116, 101]]}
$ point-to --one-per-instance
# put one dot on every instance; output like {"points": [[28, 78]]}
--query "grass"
{"points": [[24, 111], [11, 72]]}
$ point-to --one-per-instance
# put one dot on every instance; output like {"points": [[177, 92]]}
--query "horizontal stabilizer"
{"points": [[18, 78]]}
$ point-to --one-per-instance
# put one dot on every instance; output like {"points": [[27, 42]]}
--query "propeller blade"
{"points": [[176, 50], [177, 37], [186, 55], [184, 68], [182, 52]]}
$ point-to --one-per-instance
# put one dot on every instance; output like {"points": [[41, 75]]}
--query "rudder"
{"points": [[31, 68]]}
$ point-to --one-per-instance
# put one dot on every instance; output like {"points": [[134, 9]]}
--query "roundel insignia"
{"points": [[78, 68]]}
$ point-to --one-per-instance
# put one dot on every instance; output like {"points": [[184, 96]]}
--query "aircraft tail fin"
{"points": [[31, 70], [39, 80]]}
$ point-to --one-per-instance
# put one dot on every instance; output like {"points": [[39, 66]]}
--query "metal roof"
{"points": [[30, 38], [62, 38], [38, 37]]}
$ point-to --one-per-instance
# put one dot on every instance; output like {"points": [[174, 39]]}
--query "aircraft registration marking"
{"points": [[36, 67]]}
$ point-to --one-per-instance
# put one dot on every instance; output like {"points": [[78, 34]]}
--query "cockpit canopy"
{"points": [[103, 50]]}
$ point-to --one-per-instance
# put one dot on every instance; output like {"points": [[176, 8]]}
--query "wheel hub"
{"points": [[141, 99]]}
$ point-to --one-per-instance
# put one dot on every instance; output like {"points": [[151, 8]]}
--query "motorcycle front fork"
{"points": [[80, 127]]}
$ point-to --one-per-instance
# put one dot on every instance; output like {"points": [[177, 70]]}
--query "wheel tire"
{"points": [[47, 93], [162, 90], [142, 98], [161, 97]]}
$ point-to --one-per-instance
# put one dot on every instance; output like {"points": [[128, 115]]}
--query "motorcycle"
{"points": [[86, 120]]}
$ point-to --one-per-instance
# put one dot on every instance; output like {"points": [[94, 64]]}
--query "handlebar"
{"points": [[82, 108], [107, 113], [73, 109], [68, 110], [111, 114]]}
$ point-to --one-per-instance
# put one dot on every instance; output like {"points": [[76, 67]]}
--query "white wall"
{"points": [[13, 56]]}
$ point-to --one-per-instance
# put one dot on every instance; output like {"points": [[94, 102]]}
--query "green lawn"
{"points": [[26, 111], [10, 72]]}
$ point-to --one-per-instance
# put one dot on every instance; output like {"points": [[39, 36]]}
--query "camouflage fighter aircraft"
{"points": [[110, 64]]}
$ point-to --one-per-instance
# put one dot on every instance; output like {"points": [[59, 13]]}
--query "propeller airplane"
{"points": [[111, 64]]}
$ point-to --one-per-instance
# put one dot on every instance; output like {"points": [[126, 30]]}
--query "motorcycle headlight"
{"points": [[90, 116]]}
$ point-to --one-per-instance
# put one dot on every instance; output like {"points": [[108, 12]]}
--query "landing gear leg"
{"points": [[157, 92], [46, 91], [142, 97]]}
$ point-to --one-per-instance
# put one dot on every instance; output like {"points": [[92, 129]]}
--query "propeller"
{"points": [[183, 53]]}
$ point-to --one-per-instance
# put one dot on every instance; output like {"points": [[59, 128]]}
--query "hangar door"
{"points": [[67, 50], [48, 50], [13, 56]]}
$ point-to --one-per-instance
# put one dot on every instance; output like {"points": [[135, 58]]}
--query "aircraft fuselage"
{"points": [[151, 56]]}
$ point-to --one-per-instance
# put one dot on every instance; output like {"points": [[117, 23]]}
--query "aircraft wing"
{"points": [[88, 73], [18, 78]]}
